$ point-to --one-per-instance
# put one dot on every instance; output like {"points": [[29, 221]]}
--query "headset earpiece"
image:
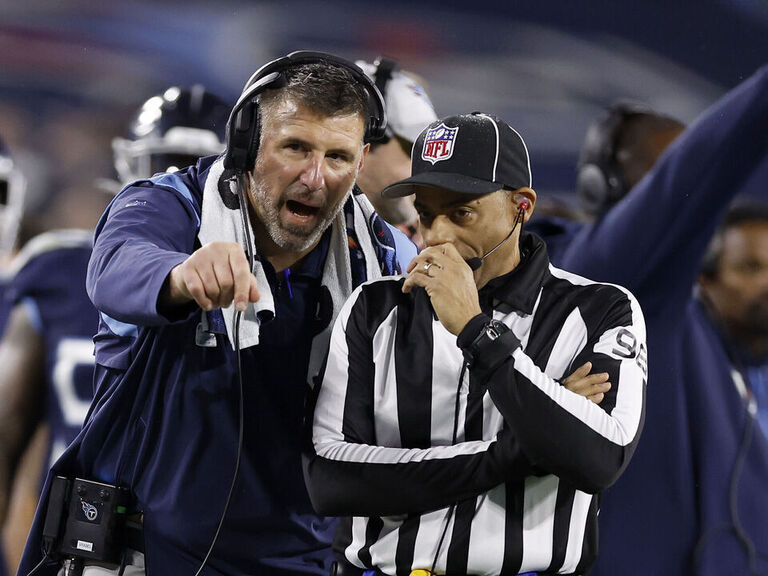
{"points": [[600, 179], [522, 203], [385, 68], [240, 136], [592, 187], [243, 127]]}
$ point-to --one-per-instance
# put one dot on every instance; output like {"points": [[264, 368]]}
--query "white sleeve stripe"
{"points": [[585, 410], [365, 454], [387, 428], [576, 531]]}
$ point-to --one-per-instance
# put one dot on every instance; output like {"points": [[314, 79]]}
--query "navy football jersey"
{"points": [[50, 284]]}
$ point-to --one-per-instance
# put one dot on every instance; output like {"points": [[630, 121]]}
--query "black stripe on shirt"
{"points": [[557, 300], [589, 549], [458, 552], [406, 544], [358, 424], [413, 369], [513, 527], [343, 537], [562, 525], [372, 532]]}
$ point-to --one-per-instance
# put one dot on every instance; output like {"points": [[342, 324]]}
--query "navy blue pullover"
{"points": [[670, 512], [164, 421]]}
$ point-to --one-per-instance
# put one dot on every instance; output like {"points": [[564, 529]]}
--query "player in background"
{"points": [[12, 191], [409, 111], [693, 500], [47, 350]]}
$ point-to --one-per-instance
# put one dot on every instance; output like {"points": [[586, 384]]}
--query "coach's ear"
{"points": [[366, 149]]}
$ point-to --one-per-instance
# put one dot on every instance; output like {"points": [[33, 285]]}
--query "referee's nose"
{"points": [[438, 231]]}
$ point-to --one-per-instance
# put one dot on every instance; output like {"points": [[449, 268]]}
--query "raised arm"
{"points": [[147, 267], [660, 231]]}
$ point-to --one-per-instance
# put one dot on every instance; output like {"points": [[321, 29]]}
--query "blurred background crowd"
{"points": [[72, 73]]}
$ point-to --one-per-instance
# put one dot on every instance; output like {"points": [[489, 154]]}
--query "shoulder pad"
{"points": [[49, 242]]}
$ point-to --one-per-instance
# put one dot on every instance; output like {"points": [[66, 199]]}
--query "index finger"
{"points": [[579, 373], [243, 278]]}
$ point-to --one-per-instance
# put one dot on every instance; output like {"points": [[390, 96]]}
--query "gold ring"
{"points": [[426, 266]]}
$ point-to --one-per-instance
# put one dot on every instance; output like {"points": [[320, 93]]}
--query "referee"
{"points": [[442, 430]]}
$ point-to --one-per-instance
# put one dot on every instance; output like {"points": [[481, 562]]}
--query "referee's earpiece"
{"points": [[243, 129], [522, 203]]}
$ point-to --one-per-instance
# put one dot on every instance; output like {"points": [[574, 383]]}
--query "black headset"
{"points": [[600, 181], [243, 129], [385, 68], [242, 147]]}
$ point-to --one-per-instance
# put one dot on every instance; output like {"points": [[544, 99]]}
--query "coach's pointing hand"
{"points": [[213, 276]]}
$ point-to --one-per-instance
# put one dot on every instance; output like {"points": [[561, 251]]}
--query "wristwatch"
{"points": [[491, 332]]}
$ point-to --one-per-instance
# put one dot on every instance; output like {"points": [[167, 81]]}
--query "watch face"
{"points": [[494, 329]]}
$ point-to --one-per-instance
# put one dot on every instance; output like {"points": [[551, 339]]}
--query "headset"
{"points": [[600, 181], [242, 140], [385, 68], [243, 126]]}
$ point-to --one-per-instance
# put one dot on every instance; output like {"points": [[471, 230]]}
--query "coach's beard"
{"points": [[287, 236]]}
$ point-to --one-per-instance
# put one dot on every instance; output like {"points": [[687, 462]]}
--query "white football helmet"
{"points": [[13, 188]]}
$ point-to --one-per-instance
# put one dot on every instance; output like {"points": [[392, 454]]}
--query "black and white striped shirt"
{"points": [[530, 456]]}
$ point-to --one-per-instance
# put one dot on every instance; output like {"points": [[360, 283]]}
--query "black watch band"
{"points": [[491, 332]]}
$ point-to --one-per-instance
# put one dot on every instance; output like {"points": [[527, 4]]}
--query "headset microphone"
{"points": [[475, 262]]}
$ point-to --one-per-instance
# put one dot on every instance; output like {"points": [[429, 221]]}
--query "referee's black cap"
{"points": [[469, 153]]}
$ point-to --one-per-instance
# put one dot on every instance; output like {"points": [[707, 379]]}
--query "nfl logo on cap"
{"points": [[490, 155], [438, 143]]}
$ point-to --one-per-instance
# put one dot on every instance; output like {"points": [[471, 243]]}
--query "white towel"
{"points": [[337, 272], [222, 224]]}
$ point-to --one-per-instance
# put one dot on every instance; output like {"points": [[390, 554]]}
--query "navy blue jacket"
{"points": [[164, 421], [670, 512]]}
